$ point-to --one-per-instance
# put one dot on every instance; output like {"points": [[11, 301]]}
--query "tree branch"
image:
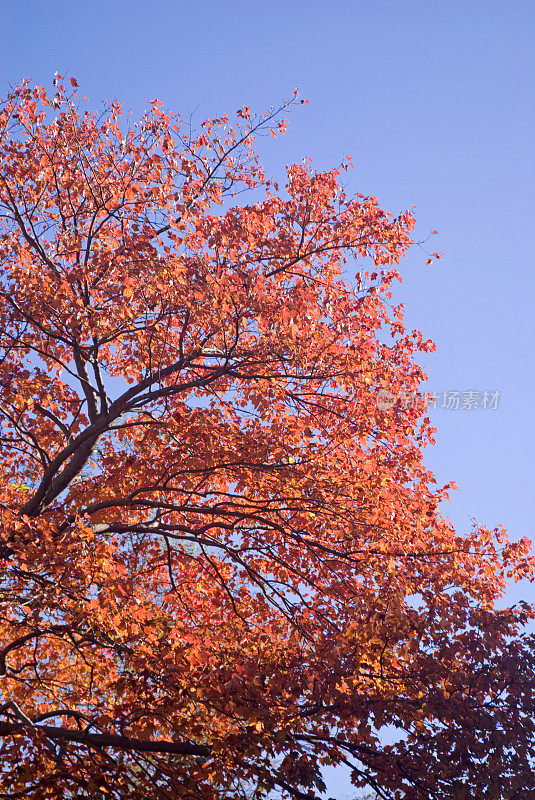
{"points": [[107, 740]]}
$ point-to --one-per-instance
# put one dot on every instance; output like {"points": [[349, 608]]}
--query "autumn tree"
{"points": [[223, 561]]}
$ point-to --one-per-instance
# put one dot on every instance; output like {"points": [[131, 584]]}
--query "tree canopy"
{"points": [[224, 565]]}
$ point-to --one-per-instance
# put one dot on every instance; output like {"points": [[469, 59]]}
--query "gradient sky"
{"points": [[434, 100]]}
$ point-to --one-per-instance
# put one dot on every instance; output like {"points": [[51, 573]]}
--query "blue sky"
{"points": [[433, 99]]}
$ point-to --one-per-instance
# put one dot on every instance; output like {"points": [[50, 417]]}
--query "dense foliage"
{"points": [[223, 562]]}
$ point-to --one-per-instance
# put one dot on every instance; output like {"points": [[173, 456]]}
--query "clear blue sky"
{"points": [[434, 100]]}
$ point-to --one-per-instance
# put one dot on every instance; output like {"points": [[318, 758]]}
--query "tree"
{"points": [[224, 564]]}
